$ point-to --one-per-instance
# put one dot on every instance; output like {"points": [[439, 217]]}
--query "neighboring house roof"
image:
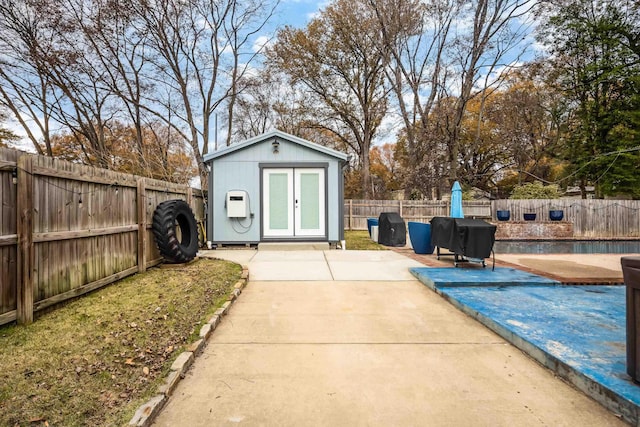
{"points": [[576, 190], [277, 135]]}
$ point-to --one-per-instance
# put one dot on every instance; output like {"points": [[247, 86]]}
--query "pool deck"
{"points": [[596, 269], [576, 331], [568, 269]]}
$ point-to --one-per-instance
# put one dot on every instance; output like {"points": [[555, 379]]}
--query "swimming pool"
{"points": [[567, 247]]}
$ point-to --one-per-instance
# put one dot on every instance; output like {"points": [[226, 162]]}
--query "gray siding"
{"points": [[240, 170]]}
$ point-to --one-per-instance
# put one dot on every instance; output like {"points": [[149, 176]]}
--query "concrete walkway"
{"points": [[382, 350]]}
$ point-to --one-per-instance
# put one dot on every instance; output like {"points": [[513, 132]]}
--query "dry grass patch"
{"points": [[360, 240], [94, 361]]}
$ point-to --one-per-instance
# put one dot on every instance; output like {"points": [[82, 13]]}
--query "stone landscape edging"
{"points": [[146, 413]]}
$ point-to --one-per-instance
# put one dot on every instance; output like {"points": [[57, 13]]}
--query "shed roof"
{"points": [[278, 135]]}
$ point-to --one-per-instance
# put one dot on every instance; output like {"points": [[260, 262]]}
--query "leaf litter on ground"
{"points": [[95, 360]]}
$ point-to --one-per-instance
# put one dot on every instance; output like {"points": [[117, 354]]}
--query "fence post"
{"points": [[142, 224], [350, 214], [26, 253]]}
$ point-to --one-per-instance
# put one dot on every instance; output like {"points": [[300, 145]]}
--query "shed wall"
{"points": [[240, 170]]}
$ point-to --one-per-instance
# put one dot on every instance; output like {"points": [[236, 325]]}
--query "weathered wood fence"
{"points": [[591, 218], [68, 229], [357, 211]]}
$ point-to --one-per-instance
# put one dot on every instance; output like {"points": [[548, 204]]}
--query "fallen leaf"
{"points": [[145, 370], [129, 362]]}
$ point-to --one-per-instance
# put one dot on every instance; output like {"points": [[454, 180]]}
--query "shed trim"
{"points": [[307, 165], [275, 135]]}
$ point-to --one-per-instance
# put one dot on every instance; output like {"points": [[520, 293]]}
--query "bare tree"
{"points": [[496, 36], [415, 35], [269, 101], [199, 50], [336, 60], [117, 36], [59, 80], [442, 50], [25, 90], [85, 64]]}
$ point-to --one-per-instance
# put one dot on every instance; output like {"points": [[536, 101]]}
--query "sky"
{"points": [[296, 13]]}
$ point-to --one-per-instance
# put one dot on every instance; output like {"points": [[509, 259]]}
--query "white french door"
{"points": [[277, 207], [309, 202], [293, 202]]}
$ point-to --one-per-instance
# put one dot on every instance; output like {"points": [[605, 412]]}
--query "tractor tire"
{"points": [[176, 231]]}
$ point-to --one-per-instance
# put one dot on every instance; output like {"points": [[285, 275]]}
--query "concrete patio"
{"points": [[307, 344]]}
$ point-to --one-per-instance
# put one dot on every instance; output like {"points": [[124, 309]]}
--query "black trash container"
{"points": [[391, 229], [631, 274]]}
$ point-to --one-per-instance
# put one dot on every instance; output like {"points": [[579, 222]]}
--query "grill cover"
{"points": [[391, 229], [472, 238]]}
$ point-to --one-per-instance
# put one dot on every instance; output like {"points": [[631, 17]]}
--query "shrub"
{"points": [[535, 190]]}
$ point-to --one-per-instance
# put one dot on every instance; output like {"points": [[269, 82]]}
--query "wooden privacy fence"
{"points": [[357, 211], [591, 218], [68, 229]]}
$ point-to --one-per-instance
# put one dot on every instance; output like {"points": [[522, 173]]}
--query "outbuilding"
{"points": [[275, 187]]}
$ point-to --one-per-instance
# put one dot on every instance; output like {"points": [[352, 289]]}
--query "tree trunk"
{"points": [[366, 178]]}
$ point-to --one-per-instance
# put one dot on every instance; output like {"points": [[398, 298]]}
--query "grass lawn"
{"points": [[360, 240], [97, 359]]}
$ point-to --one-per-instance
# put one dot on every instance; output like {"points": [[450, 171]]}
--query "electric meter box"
{"points": [[237, 204]]}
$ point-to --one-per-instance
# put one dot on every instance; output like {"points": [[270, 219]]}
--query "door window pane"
{"points": [[278, 198], [310, 201]]}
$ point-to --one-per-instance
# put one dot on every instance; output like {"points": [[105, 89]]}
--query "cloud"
{"points": [[261, 42], [320, 6], [24, 143]]}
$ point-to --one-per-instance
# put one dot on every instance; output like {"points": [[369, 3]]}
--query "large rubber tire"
{"points": [[175, 247]]}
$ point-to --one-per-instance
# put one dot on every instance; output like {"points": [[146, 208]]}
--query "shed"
{"points": [[275, 187]]}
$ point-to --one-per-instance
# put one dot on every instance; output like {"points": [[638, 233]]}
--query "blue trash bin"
{"points": [[420, 235], [370, 223]]}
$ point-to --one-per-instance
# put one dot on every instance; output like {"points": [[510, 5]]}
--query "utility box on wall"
{"points": [[236, 203]]}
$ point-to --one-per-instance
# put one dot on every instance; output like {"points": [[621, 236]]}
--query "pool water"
{"points": [[567, 247]]}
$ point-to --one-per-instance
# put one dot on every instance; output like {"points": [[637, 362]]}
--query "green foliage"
{"points": [[416, 194], [7, 137], [535, 190], [597, 63]]}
